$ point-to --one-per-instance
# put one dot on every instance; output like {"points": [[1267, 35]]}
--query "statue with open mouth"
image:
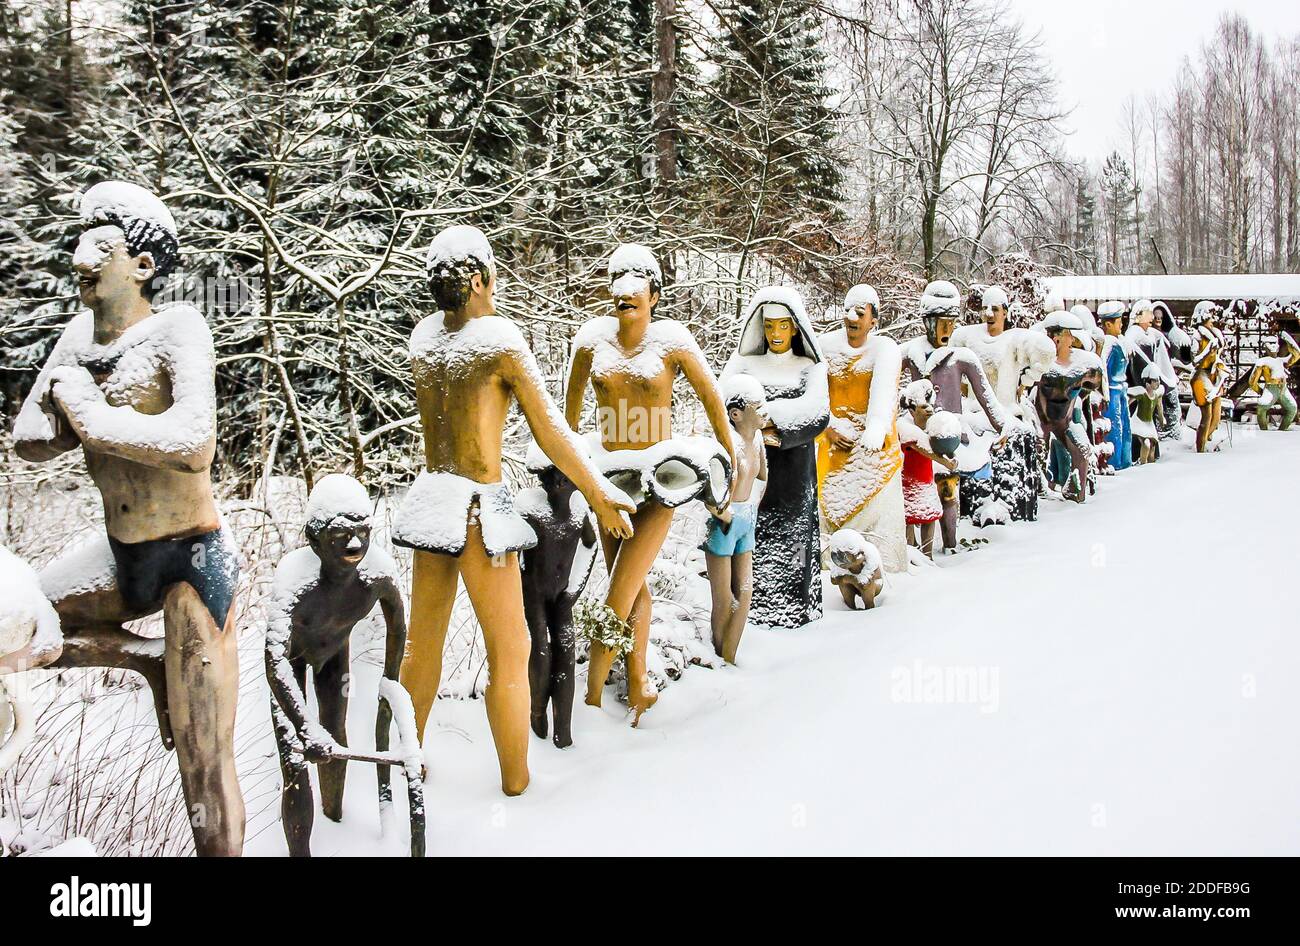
{"points": [[630, 360]]}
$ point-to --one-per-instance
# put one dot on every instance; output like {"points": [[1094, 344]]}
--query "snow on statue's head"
{"points": [[634, 279], [993, 298], [338, 520], [459, 265], [861, 309], [1053, 301], [129, 242], [1206, 312], [742, 393], [556, 484], [918, 396], [940, 308], [1142, 313]]}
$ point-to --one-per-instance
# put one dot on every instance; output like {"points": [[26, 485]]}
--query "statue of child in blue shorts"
{"points": [[729, 545]]}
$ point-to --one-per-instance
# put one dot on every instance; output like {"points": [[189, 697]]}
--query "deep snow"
{"points": [[1134, 666]]}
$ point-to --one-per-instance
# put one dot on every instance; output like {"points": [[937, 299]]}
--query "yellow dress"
{"points": [[861, 488]]}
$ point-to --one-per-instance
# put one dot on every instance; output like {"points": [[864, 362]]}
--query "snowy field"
{"points": [[1113, 679]]}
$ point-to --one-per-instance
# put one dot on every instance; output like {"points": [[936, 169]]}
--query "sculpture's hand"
{"points": [[948, 463], [318, 745], [770, 437], [613, 511]]}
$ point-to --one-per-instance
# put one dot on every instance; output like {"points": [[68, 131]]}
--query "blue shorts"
{"points": [[735, 538]]}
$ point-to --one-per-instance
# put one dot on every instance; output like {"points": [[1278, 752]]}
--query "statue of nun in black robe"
{"points": [[778, 348]]}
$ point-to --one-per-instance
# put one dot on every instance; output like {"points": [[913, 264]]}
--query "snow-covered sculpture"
{"points": [[921, 502], [1073, 371], [1012, 359], [1180, 346], [859, 462], [1147, 345], [933, 357], [133, 386], [1148, 403], [1114, 357], [555, 571], [1209, 373], [631, 363], [469, 366], [856, 569], [777, 348], [29, 629], [1092, 403], [729, 544], [320, 592], [1269, 379]]}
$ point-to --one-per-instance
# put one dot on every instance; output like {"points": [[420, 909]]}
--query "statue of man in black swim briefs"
{"points": [[134, 388]]}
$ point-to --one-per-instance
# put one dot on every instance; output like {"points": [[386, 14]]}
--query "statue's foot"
{"points": [[593, 699], [563, 738], [538, 722], [649, 696]]}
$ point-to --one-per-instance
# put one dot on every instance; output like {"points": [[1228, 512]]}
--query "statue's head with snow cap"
{"points": [[128, 245], [1206, 312], [861, 312], [1142, 314], [1111, 315], [462, 271], [338, 523], [940, 308], [634, 282], [994, 307]]}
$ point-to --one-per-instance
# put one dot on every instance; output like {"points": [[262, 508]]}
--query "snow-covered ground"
{"points": [[1117, 678]]}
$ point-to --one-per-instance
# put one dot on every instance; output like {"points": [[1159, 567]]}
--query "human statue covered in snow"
{"points": [[1092, 402], [777, 347], [729, 544], [321, 591], [630, 361], [932, 357], [1147, 346], [856, 569], [1148, 406], [1180, 347], [921, 503], [29, 628], [1114, 358], [1269, 378], [1072, 372], [470, 365], [133, 386], [555, 571], [1209, 373], [859, 460], [1012, 359]]}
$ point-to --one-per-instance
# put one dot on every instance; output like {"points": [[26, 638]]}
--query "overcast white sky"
{"points": [[1105, 49]]}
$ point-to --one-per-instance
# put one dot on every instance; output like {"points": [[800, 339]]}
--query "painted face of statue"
{"points": [[939, 329], [634, 301], [1144, 318], [1111, 327], [341, 544], [106, 271], [995, 317], [778, 328], [1271, 347], [859, 320]]}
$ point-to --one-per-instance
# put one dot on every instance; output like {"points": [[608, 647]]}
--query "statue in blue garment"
{"points": [[1114, 356]]}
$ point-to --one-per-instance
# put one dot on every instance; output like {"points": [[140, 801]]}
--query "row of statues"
{"points": [[846, 435]]}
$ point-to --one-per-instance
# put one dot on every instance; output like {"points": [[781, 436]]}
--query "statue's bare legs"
{"points": [[629, 562], [497, 596]]}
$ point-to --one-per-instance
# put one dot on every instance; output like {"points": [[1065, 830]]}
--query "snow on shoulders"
{"points": [[599, 328], [296, 572], [377, 564], [484, 335], [532, 503]]}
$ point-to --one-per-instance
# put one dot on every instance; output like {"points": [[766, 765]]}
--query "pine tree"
{"points": [[768, 131]]}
